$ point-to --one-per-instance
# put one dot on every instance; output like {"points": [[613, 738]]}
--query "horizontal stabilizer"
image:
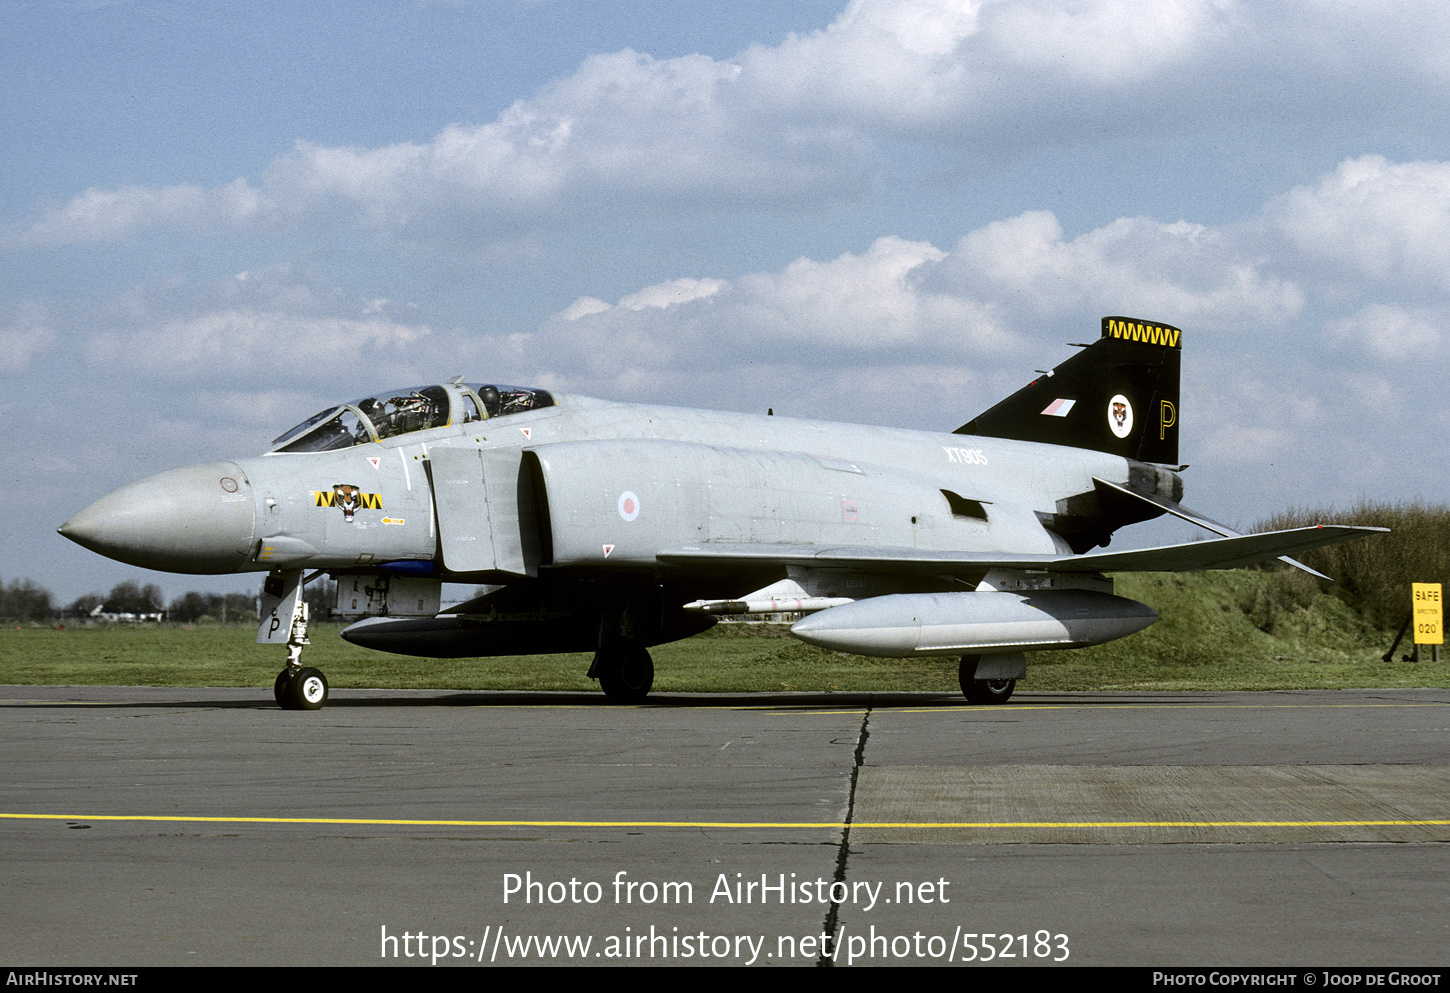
{"points": [[1193, 517], [1176, 509]]}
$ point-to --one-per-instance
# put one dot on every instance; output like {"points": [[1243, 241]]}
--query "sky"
{"points": [[218, 218]]}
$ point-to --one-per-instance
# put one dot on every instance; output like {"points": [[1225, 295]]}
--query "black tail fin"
{"points": [[1118, 395]]}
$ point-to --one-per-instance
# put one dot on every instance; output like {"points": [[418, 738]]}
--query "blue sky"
{"points": [[217, 218]]}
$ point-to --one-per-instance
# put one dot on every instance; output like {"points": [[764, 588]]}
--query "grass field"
{"points": [[1240, 630]]}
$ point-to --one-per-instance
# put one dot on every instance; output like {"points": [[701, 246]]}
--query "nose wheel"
{"points": [[299, 688]]}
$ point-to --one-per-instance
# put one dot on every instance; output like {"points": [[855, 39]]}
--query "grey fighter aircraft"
{"points": [[613, 527]]}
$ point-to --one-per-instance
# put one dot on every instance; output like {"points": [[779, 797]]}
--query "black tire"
{"points": [[985, 691], [626, 673], [982, 691], [307, 690], [279, 688]]}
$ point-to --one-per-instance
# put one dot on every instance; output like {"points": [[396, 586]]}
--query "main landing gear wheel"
{"points": [[301, 689], [982, 691], [626, 673]]}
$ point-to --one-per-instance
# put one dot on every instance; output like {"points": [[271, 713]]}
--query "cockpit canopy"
{"points": [[398, 412]]}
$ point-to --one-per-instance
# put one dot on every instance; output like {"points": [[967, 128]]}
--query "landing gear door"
{"points": [[281, 603], [375, 594], [465, 534]]}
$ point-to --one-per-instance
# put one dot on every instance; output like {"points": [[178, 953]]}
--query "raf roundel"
{"points": [[628, 505], [1120, 416]]}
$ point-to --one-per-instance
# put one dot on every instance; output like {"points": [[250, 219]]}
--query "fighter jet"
{"points": [[614, 527]]}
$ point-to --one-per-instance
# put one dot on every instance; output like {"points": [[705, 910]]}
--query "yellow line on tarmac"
{"points": [[402, 822], [753, 825]]}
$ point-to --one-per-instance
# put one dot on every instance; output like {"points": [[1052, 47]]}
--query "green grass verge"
{"points": [[1241, 630]]}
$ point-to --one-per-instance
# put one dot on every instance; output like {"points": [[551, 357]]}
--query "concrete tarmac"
{"points": [[147, 826]]}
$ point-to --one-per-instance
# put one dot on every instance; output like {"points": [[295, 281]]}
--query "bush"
{"points": [[1373, 575]]}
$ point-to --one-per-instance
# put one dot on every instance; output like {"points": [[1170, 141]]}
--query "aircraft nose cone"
{"points": [[197, 520]]}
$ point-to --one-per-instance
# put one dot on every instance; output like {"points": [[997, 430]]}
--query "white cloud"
{"points": [[676, 291], [853, 305], [262, 408], [243, 341], [1380, 395], [881, 62], [22, 339], [942, 69], [1392, 332], [106, 215], [583, 307], [934, 28], [805, 124], [909, 303], [976, 314], [1235, 445], [1182, 273], [1107, 43], [278, 287], [624, 127], [1388, 220], [866, 302]]}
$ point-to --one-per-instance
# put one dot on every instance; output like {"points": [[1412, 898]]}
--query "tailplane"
{"points": [[1118, 395]]}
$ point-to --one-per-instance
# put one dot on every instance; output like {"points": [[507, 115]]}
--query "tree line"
{"points": [[1373, 575], [24, 601]]}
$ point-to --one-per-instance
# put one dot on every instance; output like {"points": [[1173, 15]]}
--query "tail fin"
{"points": [[1118, 395]]}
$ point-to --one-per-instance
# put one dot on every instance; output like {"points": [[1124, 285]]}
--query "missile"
{"points": [[903, 625], [773, 605]]}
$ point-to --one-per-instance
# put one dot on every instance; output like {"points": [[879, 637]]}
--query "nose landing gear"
{"points": [[297, 687]]}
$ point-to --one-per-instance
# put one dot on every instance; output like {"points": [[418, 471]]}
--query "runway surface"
{"points": [[166, 826]]}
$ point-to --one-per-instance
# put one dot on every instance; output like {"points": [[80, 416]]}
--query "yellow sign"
{"points": [[1429, 615]]}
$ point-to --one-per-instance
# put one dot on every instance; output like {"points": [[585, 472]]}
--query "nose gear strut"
{"points": [[284, 621]]}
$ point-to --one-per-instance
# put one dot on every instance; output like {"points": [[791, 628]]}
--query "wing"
{"points": [[1219, 553]]}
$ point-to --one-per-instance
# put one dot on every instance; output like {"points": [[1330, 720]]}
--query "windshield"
{"points": [[404, 411]]}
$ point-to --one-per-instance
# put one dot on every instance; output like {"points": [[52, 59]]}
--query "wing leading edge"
{"points": [[1219, 553]]}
